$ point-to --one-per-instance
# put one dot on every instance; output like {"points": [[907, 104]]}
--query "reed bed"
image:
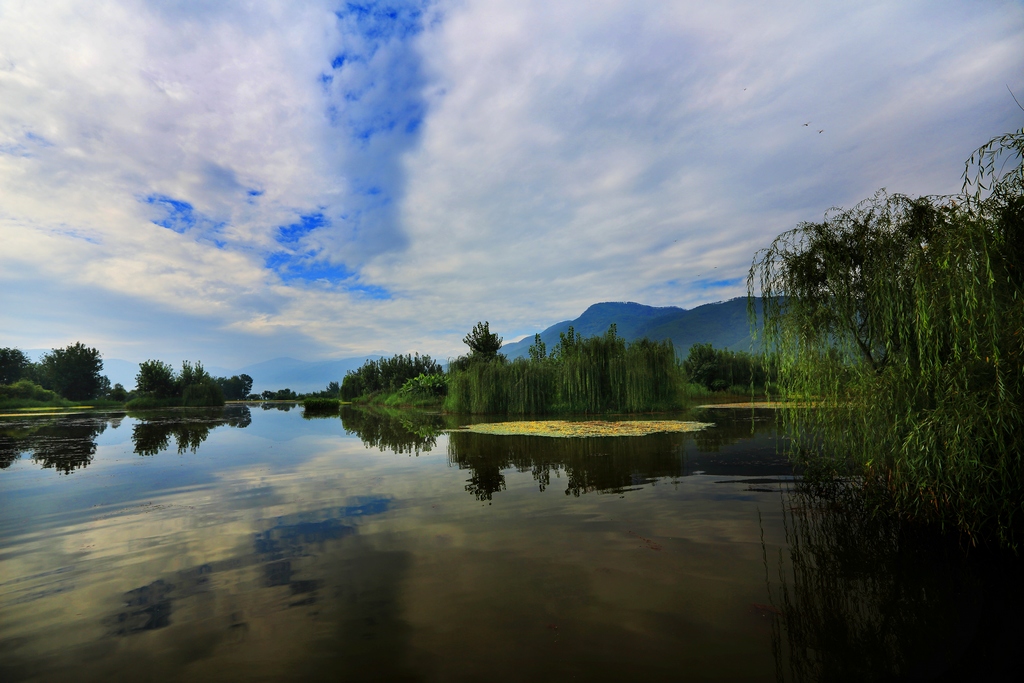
{"points": [[594, 375]]}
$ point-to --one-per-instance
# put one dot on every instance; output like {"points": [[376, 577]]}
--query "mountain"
{"points": [[723, 325]]}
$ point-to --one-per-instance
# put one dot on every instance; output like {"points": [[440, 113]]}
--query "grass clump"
{"points": [[321, 406]]}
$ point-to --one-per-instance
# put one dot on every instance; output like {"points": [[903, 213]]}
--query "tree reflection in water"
{"points": [[595, 464], [612, 464], [863, 597], [190, 428], [64, 443], [406, 432]]}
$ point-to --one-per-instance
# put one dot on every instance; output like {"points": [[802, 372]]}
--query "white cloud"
{"points": [[505, 160]]}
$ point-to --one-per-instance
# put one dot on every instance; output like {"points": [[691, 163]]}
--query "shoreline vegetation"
{"points": [[602, 374]]}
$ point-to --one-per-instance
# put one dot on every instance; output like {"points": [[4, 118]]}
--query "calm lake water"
{"points": [[250, 543]]}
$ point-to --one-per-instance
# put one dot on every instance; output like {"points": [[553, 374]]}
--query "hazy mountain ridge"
{"points": [[723, 324]]}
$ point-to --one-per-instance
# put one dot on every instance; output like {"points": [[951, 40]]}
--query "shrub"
{"points": [[425, 386], [321, 405], [27, 394]]}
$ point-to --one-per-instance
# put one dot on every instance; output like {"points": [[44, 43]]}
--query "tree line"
{"points": [[603, 373], [74, 373]]}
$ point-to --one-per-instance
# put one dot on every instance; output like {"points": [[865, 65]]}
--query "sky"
{"points": [[236, 181]]}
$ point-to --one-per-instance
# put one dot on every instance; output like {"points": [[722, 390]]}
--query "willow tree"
{"points": [[896, 328]]}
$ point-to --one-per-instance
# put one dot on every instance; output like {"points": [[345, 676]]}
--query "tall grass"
{"points": [[593, 375]]}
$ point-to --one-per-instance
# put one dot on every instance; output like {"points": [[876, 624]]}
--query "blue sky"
{"points": [[237, 181]]}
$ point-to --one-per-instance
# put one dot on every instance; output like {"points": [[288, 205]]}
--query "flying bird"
{"points": [[807, 124], [821, 131]]}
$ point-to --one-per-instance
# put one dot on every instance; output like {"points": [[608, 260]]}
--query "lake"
{"points": [[251, 543]]}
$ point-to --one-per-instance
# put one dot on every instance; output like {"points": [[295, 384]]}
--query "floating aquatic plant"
{"points": [[565, 429]]}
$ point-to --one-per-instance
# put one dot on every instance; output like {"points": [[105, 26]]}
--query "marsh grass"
{"points": [[321, 406]]}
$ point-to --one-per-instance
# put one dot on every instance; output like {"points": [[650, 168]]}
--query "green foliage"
{"points": [[593, 375], [538, 350], [425, 386], [156, 379], [14, 365], [159, 387], [386, 375], [118, 393], [898, 328], [483, 343], [205, 392], [721, 369], [236, 387], [27, 394], [73, 372]]}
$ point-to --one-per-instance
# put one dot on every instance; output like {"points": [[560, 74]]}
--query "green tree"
{"points": [[156, 378], [14, 365], [73, 372], [898, 325], [538, 350], [197, 387], [118, 393], [483, 344], [236, 387]]}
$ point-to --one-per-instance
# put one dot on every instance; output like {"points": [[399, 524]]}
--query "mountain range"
{"points": [[724, 325]]}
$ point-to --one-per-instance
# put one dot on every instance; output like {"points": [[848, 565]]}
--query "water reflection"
{"points": [[64, 443], [613, 464], [283, 407], [297, 554], [861, 596], [152, 434], [406, 432], [67, 443]]}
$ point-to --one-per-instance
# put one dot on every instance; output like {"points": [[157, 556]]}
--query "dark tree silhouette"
{"points": [[482, 342], [74, 372]]}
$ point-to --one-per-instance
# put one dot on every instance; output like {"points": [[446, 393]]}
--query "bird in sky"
{"points": [[821, 131], [807, 124]]}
